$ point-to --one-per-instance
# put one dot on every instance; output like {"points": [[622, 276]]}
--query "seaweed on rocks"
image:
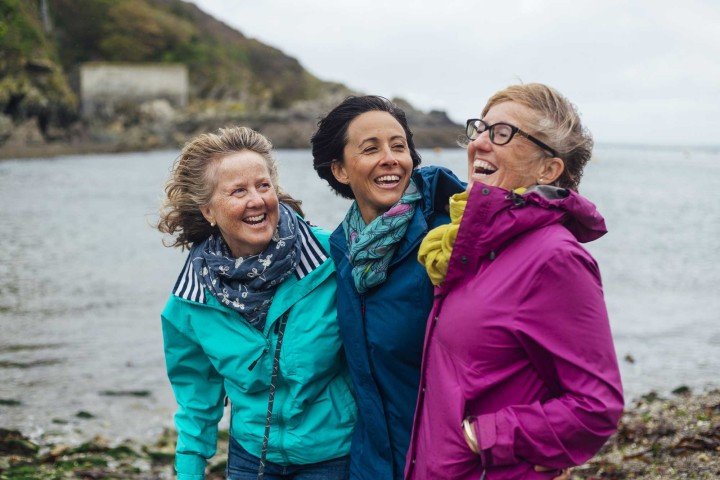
{"points": [[662, 438], [657, 439], [97, 458]]}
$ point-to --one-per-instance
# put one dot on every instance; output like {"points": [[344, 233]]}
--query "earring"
{"points": [[541, 179], [212, 224]]}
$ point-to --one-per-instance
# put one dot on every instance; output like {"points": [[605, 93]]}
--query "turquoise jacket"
{"points": [[211, 351]]}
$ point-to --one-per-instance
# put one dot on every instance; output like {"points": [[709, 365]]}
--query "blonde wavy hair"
{"points": [[192, 182], [555, 121]]}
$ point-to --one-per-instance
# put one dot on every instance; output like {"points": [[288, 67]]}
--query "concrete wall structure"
{"points": [[105, 85]]}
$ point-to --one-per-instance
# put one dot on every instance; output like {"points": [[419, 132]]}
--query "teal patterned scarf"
{"points": [[372, 246]]}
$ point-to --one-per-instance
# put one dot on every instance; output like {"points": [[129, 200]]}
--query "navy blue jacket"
{"points": [[383, 331]]}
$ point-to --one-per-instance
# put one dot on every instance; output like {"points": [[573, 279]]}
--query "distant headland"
{"points": [[80, 76]]}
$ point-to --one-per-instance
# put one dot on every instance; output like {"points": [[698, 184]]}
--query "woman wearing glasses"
{"points": [[519, 366]]}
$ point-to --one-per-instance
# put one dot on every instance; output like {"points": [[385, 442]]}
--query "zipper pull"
{"points": [[252, 365]]}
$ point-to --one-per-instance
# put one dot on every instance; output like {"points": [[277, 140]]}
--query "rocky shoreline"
{"points": [[658, 438], [155, 125]]}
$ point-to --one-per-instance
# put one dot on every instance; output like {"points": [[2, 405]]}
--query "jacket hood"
{"points": [[581, 215], [494, 217]]}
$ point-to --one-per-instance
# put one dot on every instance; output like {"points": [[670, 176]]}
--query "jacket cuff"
{"points": [[494, 441], [189, 466], [186, 476]]}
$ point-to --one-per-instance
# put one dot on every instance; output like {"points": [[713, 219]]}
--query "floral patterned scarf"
{"points": [[247, 284], [372, 246]]}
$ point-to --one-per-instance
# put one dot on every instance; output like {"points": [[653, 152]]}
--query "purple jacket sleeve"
{"points": [[563, 327]]}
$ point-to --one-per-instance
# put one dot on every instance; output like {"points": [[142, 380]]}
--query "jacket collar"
{"points": [[417, 229], [493, 217], [312, 270], [292, 290], [288, 293]]}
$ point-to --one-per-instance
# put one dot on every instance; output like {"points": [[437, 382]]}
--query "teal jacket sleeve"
{"points": [[199, 393]]}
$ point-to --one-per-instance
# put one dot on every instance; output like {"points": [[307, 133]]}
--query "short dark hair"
{"points": [[331, 136]]}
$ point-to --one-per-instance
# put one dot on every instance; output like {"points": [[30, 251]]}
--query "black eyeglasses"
{"points": [[501, 133]]}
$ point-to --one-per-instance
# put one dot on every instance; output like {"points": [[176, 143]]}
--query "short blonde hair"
{"points": [[192, 182], [556, 122]]}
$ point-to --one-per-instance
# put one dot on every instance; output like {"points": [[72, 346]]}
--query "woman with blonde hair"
{"points": [[519, 367], [252, 319]]}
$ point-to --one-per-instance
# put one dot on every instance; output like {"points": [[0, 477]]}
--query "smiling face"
{"points": [[519, 163], [376, 163], [244, 204]]}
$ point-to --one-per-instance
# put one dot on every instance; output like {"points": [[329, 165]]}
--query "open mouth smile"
{"points": [[481, 168], [255, 220], [388, 181]]}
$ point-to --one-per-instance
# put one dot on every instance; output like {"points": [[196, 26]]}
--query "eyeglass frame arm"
{"points": [[515, 130]]}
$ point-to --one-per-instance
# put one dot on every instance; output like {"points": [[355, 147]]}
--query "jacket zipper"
{"points": [[255, 362], [265, 350]]}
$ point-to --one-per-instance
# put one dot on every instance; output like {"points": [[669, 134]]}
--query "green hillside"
{"points": [[32, 82], [37, 66], [223, 63], [233, 79]]}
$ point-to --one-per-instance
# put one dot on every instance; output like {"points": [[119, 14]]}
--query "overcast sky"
{"points": [[639, 71]]}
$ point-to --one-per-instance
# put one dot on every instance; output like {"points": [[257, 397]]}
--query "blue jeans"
{"points": [[243, 466]]}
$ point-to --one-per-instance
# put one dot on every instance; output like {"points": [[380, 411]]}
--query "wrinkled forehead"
{"points": [[228, 166], [509, 111]]}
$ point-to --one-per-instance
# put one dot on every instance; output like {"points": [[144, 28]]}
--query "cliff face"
{"points": [[32, 81]]}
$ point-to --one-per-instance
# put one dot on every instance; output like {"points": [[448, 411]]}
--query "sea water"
{"points": [[84, 276]]}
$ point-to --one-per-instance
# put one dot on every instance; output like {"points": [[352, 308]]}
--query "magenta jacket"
{"points": [[518, 338]]}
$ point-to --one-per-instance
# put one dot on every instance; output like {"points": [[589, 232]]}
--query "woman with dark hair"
{"points": [[364, 149], [252, 319], [519, 366]]}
